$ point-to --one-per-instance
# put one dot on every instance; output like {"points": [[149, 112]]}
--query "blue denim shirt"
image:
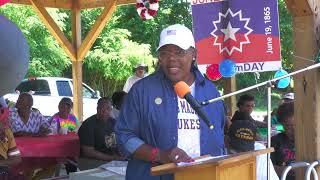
{"points": [[150, 116]]}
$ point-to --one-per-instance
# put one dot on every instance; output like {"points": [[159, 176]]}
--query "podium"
{"points": [[241, 166]]}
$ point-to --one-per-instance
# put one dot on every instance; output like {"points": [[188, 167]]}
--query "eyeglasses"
{"points": [[250, 105], [164, 54]]}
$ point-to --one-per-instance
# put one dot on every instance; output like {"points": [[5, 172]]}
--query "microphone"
{"points": [[184, 92]]}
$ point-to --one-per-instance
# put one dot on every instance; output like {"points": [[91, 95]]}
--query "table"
{"points": [[49, 146], [114, 170], [37, 152]]}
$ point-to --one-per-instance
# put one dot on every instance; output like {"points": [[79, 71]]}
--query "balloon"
{"points": [[227, 68], [213, 72], [14, 56], [2, 2], [282, 83]]}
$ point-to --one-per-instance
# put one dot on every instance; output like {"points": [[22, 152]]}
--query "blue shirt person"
{"points": [[148, 127]]}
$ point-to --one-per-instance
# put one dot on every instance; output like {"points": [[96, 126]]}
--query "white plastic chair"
{"points": [[296, 165], [312, 168]]}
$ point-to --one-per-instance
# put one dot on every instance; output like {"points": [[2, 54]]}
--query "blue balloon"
{"points": [[282, 83], [227, 68]]}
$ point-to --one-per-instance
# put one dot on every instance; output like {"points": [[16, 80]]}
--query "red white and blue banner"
{"points": [[244, 31]]}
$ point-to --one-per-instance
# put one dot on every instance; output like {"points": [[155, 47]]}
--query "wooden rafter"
{"points": [[299, 7], [102, 3], [96, 29], [67, 4], [54, 29]]}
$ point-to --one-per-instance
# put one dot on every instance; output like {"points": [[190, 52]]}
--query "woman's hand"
{"points": [[175, 155]]}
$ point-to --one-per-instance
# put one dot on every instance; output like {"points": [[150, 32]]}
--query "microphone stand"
{"points": [[269, 84], [272, 81]]}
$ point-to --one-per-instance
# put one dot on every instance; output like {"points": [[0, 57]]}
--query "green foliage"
{"points": [[113, 55], [46, 56], [286, 36], [114, 59], [147, 32]]}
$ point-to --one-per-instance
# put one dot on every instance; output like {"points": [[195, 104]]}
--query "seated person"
{"points": [[241, 138], [9, 153], [26, 121], [63, 118], [283, 143], [246, 104], [97, 137], [117, 100]]}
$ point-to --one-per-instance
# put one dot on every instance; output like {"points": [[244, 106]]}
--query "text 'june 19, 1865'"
{"points": [[268, 30]]}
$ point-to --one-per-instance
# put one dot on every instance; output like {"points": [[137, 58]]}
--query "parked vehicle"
{"points": [[48, 91]]}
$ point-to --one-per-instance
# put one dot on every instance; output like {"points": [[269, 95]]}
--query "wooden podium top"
{"points": [[219, 161]]}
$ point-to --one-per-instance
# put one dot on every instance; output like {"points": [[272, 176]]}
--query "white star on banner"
{"points": [[229, 32]]}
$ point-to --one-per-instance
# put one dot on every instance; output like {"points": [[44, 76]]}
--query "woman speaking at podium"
{"points": [[155, 126]]}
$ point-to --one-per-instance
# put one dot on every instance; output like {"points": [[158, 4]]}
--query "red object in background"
{"points": [[40, 152], [56, 146], [213, 72], [2, 2]]}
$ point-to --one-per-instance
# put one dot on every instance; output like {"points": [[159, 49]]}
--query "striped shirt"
{"points": [[35, 121]]}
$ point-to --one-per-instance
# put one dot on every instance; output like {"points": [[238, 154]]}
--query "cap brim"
{"points": [[173, 42]]}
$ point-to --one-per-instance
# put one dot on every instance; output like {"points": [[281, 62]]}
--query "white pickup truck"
{"points": [[48, 91]]}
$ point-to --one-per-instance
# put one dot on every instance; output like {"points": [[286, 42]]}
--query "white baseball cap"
{"points": [[140, 65], [178, 35], [288, 96]]}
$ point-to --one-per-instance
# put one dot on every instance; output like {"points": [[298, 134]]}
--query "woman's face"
{"points": [[140, 71], [176, 63], [64, 108], [24, 103], [289, 127], [247, 107]]}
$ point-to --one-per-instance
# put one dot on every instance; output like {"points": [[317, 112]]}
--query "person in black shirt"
{"points": [[245, 106], [97, 137], [283, 143]]}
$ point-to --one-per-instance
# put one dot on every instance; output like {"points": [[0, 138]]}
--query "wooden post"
{"points": [[77, 64], [230, 86], [307, 92]]}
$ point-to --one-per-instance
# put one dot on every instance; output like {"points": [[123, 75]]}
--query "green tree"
{"points": [[46, 57], [147, 32], [113, 55]]}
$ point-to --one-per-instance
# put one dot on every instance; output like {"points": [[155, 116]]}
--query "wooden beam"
{"points": [[96, 29], [67, 4], [77, 89], [54, 29], [64, 4], [86, 4], [299, 7], [77, 65], [307, 92]]}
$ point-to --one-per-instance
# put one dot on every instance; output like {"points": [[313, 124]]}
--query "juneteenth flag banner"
{"points": [[245, 31]]}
